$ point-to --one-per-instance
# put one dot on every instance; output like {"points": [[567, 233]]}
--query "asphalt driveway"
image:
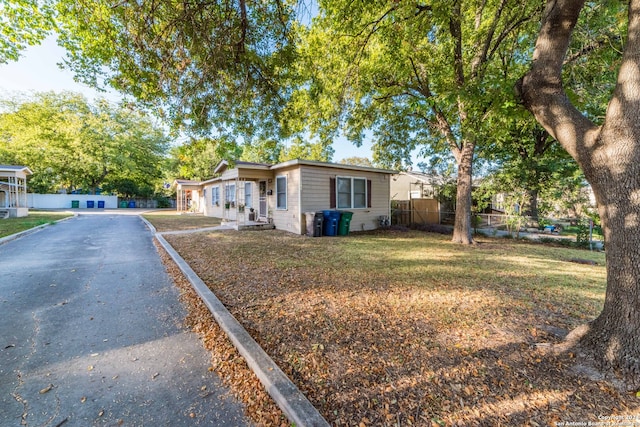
{"points": [[91, 333]]}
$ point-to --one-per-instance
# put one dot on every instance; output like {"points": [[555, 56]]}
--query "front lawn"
{"points": [[164, 220], [11, 226], [405, 328]]}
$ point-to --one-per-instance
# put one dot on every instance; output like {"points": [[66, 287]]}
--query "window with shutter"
{"points": [[349, 192]]}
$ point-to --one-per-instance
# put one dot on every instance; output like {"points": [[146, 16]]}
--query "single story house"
{"points": [[281, 194], [13, 191]]}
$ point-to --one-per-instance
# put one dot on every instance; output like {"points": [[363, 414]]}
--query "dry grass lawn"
{"points": [[404, 328], [165, 220]]}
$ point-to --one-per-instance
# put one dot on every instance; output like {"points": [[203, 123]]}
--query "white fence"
{"points": [[66, 201]]}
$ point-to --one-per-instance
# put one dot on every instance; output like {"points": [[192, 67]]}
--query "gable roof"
{"points": [[223, 165], [15, 168], [330, 165]]}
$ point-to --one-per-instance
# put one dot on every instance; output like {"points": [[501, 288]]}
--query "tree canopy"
{"points": [[73, 145], [209, 66], [23, 23], [412, 76]]}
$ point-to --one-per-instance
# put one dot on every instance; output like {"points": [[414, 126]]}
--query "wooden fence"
{"points": [[415, 211]]}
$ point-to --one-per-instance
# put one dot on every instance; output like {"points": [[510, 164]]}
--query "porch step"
{"points": [[4, 213], [256, 226]]}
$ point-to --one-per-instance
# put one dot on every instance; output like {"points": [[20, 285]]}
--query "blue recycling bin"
{"points": [[132, 204], [90, 204], [100, 204], [330, 222]]}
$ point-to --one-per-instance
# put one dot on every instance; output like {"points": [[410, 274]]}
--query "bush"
{"points": [[163, 202]]}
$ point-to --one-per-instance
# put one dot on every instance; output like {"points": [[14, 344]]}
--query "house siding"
{"points": [[308, 190], [289, 219], [208, 209], [315, 195]]}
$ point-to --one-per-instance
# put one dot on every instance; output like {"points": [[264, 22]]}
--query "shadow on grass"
{"points": [[397, 328]]}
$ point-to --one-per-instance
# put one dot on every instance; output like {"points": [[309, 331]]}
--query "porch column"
{"points": [[23, 193]]}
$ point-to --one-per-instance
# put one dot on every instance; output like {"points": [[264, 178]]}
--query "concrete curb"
{"points": [[15, 236], [284, 392]]}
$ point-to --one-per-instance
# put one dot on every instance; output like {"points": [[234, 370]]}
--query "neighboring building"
{"points": [[258, 193], [414, 185], [13, 191], [188, 192], [414, 196]]}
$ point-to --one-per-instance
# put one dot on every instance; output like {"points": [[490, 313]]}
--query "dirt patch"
{"points": [[407, 329]]}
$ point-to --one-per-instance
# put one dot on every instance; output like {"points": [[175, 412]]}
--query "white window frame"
{"points": [[230, 193], [215, 195], [248, 195], [352, 193], [279, 191]]}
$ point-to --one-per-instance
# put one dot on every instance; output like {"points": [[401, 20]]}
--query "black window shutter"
{"points": [[368, 193], [332, 193]]}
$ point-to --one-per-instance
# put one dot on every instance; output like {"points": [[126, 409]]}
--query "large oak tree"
{"points": [[609, 155], [414, 75]]}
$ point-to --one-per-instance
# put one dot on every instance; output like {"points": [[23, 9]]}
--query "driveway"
{"points": [[91, 333]]}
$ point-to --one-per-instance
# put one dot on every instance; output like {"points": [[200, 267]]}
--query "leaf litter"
{"points": [[409, 341]]}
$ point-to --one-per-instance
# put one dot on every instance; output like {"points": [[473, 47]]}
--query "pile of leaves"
{"points": [[404, 328], [225, 359]]}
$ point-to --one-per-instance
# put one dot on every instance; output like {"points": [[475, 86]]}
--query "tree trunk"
{"points": [[532, 206], [462, 224], [610, 158], [613, 339]]}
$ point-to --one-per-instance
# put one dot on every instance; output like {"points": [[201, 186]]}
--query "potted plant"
{"points": [[240, 207]]}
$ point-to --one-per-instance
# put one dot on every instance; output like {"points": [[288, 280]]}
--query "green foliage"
{"points": [[394, 70], [357, 161], [582, 233], [303, 149], [70, 144], [197, 158], [204, 65], [23, 23], [262, 151]]}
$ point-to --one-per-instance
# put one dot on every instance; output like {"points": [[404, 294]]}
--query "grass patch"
{"points": [[405, 328], [11, 226], [172, 221]]}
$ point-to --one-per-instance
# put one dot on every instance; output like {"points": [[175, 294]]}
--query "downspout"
{"points": [[300, 210]]}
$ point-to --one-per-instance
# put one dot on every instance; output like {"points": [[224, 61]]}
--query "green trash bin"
{"points": [[123, 204], [345, 223], [75, 204]]}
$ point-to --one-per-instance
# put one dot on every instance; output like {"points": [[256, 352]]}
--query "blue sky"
{"points": [[37, 71]]}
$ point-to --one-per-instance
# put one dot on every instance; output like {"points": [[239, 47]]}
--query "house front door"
{"points": [[262, 199]]}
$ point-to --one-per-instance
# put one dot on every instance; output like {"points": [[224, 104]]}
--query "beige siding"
{"points": [[316, 194], [308, 190], [288, 219], [207, 208]]}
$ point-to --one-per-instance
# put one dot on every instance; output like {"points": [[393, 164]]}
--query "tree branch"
{"points": [[455, 28], [593, 46], [541, 91], [481, 56]]}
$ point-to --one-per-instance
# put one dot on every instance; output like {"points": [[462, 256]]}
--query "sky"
{"points": [[37, 71]]}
